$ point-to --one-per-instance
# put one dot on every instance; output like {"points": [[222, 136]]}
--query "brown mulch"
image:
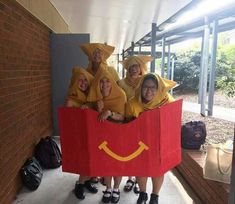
{"points": [[218, 130]]}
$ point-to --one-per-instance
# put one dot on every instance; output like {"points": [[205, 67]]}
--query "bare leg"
{"points": [[142, 181], [108, 181], [157, 184], [117, 181]]}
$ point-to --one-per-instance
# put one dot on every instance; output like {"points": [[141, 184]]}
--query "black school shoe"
{"points": [[136, 188], [79, 191], [107, 196], [90, 187], [153, 199], [116, 198], [143, 197]]}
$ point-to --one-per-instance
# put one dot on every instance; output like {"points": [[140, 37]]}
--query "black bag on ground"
{"points": [[193, 134], [48, 153], [31, 173]]}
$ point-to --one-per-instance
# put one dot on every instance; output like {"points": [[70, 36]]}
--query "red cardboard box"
{"points": [[147, 146]]}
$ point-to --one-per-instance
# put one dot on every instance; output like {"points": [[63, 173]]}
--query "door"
{"points": [[65, 54]]}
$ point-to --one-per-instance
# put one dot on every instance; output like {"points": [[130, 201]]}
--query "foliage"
{"points": [[187, 66], [187, 69], [225, 79]]}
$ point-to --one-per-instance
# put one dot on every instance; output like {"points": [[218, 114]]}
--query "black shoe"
{"points": [[136, 188], [106, 197], [90, 187], [143, 197], [79, 191], [129, 185], [153, 199], [115, 199]]}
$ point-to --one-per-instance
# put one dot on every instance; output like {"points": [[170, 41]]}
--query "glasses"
{"points": [[151, 88]]}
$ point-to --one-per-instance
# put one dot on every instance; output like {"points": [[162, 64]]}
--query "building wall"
{"points": [[25, 92], [46, 13]]}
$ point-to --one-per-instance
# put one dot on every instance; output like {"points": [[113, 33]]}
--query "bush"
{"points": [[187, 67], [187, 70]]}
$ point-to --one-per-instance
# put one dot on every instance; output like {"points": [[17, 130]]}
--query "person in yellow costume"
{"points": [[79, 88], [97, 54], [77, 97], [135, 66], [151, 93], [110, 101]]}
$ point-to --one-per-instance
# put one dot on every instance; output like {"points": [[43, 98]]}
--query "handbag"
{"points": [[48, 153], [193, 134], [31, 174], [218, 164]]}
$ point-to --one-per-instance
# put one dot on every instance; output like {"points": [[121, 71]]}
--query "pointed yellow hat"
{"points": [[89, 48], [142, 60]]}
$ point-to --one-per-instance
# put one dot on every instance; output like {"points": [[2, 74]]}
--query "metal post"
{"points": [[201, 73], [169, 62], [205, 65], [153, 46], [139, 49], [231, 199], [172, 71], [123, 70], [163, 57], [132, 48], [213, 68], [118, 63]]}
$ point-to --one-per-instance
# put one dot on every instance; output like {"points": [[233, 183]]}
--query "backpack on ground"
{"points": [[193, 134], [31, 174], [48, 153]]}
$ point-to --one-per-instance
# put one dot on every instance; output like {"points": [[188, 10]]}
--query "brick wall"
{"points": [[25, 92]]}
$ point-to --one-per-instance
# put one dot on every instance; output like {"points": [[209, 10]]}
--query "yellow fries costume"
{"points": [[129, 84], [135, 106], [107, 50], [115, 101], [75, 95]]}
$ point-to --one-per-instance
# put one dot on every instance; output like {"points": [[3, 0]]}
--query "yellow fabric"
{"points": [[129, 90], [77, 96], [107, 50], [115, 101], [142, 60], [89, 48], [135, 106], [129, 84]]}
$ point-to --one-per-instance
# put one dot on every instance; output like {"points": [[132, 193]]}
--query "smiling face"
{"points": [[82, 83], [134, 70], [105, 86], [97, 56], [149, 90]]}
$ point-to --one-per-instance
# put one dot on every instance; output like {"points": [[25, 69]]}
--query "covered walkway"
{"points": [[219, 112], [57, 188]]}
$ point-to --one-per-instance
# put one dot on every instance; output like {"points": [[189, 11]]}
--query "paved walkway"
{"points": [[218, 112], [57, 188]]}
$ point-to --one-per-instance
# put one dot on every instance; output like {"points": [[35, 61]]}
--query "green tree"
{"points": [[187, 66]]}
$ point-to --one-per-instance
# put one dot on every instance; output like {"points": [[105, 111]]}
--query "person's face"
{"points": [[97, 56], [134, 70], [149, 90], [105, 86], [82, 83]]}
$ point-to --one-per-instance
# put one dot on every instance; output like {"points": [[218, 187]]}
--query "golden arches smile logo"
{"points": [[141, 148]]}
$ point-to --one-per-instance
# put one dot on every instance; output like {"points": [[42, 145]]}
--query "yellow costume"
{"points": [[107, 50], [115, 101], [130, 84], [75, 95], [135, 106]]}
